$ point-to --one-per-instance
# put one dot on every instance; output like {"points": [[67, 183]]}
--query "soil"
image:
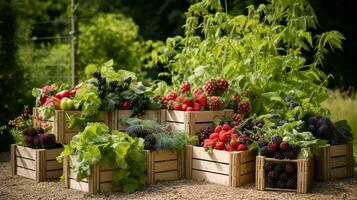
{"points": [[15, 187]]}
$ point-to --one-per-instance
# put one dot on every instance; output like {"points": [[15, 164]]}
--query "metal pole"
{"points": [[74, 34]]}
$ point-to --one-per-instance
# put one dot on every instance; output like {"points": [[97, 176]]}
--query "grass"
{"points": [[344, 107]]}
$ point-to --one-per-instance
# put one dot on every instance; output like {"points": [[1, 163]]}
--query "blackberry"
{"points": [[289, 155], [204, 134], [270, 183], [292, 183], [262, 143], [276, 139], [273, 175], [294, 148], [279, 168], [268, 166], [97, 75], [284, 176], [278, 155], [281, 184], [290, 168], [149, 142]]}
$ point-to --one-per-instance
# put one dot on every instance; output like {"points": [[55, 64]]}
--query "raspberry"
{"points": [[284, 146], [214, 103], [222, 85], [171, 96], [237, 117], [236, 98], [244, 106], [210, 87], [272, 147], [185, 87]]}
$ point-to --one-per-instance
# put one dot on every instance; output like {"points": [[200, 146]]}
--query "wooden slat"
{"points": [[280, 189], [82, 186], [176, 126], [166, 176], [25, 152], [260, 173], [246, 168], [53, 164], [247, 178], [338, 161], [216, 155], [210, 177], [247, 156], [26, 163], [163, 155], [188, 162], [339, 172], [165, 166], [175, 116], [51, 154], [338, 150], [56, 174], [207, 116], [72, 175], [26, 173], [107, 187], [13, 159], [195, 128], [106, 176], [210, 166], [67, 130]]}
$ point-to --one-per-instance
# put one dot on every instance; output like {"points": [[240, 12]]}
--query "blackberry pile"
{"points": [[280, 175], [111, 87], [141, 132], [204, 134], [278, 149], [37, 139]]}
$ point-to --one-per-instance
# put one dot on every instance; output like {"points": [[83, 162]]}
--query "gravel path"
{"points": [[22, 188]]}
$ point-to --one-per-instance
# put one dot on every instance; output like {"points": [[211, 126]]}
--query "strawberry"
{"points": [[189, 108], [215, 103], [237, 117], [197, 92], [226, 127], [186, 101], [241, 147], [234, 136], [126, 104], [207, 143], [176, 106], [210, 87], [224, 137], [214, 141], [171, 96], [234, 143], [218, 129], [202, 99], [179, 99], [185, 87], [219, 146], [213, 135], [196, 107], [184, 107], [229, 148]]}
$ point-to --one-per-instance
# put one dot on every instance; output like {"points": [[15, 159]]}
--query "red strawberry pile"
{"points": [[196, 99], [225, 138]]}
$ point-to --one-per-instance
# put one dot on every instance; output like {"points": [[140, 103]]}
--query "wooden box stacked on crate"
{"points": [[60, 126], [221, 167], [193, 121], [118, 115], [305, 168], [334, 162], [35, 164], [162, 166], [39, 122]]}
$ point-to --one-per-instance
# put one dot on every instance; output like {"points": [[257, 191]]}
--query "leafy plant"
{"points": [[96, 145]]}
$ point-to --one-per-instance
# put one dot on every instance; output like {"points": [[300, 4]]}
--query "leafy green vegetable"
{"points": [[96, 145]]}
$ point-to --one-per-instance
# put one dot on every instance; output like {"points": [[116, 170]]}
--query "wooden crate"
{"points": [[162, 166], [35, 164], [333, 162], [39, 122], [193, 121], [221, 167], [63, 133], [118, 115], [304, 174]]}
